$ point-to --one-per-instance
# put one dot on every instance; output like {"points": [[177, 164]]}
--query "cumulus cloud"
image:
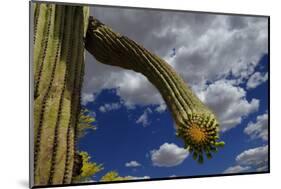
{"points": [[87, 97], [132, 164], [109, 107], [133, 88], [89, 181], [138, 178], [256, 79], [259, 128], [254, 159], [143, 119], [161, 108], [168, 155], [237, 169], [257, 157], [228, 102], [205, 48], [262, 168]]}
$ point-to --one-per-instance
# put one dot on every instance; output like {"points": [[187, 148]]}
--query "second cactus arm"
{"points": [[196, 124]]}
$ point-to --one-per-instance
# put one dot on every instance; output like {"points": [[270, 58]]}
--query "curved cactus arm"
{"points": [[196, 124], [58, 65]]}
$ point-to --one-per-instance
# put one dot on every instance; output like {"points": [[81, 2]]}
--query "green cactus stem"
{"points": [[58, 69], [196, 123]]}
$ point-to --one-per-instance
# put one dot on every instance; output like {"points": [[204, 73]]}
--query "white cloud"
{"points": [[143, 119], [228, 102], [87, 97], [237, 169], [138, 178], [168, 155], [109, 107], [132, 164], [133, 88], [254, 159], [88, 181], [102, 109], [221, 49], [256, 79], [262, 168], [257, 157], [161, 108], [259, 128]]}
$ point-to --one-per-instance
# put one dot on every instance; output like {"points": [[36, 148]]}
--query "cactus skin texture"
{"points": [[58, 69], [196, 124]]}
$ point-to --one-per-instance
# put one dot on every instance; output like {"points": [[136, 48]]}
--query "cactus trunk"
{"points": [[196, 123], [58, 65]]}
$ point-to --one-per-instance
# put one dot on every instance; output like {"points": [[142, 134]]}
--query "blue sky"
{"points": [[223, 58]]}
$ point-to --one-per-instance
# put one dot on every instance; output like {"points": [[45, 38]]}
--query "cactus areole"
{"points": [[60, 34]]}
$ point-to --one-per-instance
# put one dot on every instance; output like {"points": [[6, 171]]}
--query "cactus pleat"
{"points": [[76, 74], [36, 16], [41, 38], [58, 67], [196, 123], [47, 110]]}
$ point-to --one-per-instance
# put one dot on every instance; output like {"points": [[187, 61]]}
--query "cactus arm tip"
{"points": [[200, 134]]}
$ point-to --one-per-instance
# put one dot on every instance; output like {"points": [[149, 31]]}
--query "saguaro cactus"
{"points": [[58, 69], [58, 65], [196, 123]]}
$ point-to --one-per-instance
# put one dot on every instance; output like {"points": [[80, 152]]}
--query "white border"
{"points": [[14, 92]]}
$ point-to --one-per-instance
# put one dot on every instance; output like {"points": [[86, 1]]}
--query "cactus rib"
{"points": [[63, 74], [36, 16], [75, 73], [41, 39], [45, 98], [78, 86], [69, 130]]}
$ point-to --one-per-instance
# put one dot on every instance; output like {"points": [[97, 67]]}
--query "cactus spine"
{"points": [[196, 123], [58, 65]]}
